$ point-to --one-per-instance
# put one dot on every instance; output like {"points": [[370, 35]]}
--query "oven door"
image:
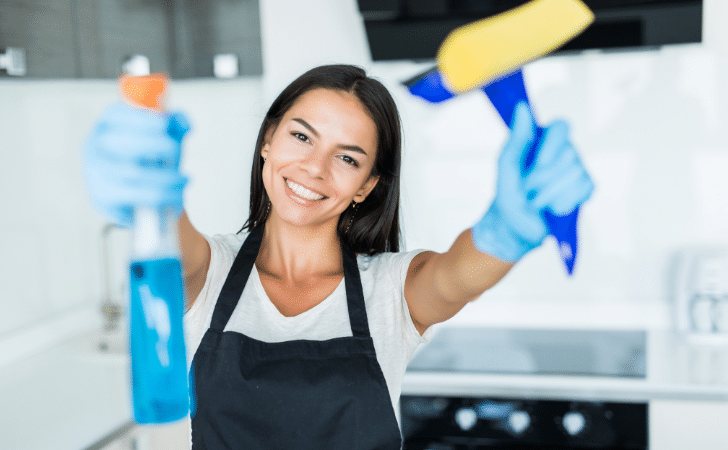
{"points": [[463, 423]]}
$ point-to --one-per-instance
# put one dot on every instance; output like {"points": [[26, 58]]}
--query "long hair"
{"points": [[375, 226]]}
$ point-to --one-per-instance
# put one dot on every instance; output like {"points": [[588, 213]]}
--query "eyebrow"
{"points": [[353, 148]]}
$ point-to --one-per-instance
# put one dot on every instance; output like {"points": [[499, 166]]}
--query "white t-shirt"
{"points": [[382, 277]]}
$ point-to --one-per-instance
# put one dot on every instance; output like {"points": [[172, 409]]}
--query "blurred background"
{"points": [[644, 91]]}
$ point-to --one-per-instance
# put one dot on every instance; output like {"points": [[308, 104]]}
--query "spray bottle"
{"points": [[160, 383]]}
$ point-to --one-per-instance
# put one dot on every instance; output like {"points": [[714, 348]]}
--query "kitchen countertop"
{"points": [[66, 396], [653, 364]]}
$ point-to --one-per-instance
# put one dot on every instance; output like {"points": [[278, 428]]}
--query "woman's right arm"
{"points": [[195, 259]]}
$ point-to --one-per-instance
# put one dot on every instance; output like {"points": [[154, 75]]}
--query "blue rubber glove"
{"points": [[131, 158], [557, 180]]}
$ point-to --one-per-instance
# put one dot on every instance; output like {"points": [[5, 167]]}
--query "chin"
{"points": [[305, 219]]}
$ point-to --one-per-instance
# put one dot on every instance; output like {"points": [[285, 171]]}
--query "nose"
{"points": [[315, 163]]}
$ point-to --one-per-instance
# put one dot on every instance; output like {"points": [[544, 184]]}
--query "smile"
{"points": [[302, 192]]}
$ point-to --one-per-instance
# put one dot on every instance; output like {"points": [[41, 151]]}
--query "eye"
{"points": [[300, 136], [349, 160]]}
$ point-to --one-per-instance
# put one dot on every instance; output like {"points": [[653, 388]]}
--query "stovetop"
{"points": [[534, 352]]}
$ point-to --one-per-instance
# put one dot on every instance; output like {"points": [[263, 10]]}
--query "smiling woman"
{"points": [[376, 225], [325, 187], [300, 326], [316, 158]]}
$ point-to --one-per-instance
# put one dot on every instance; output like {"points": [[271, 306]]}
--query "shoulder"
{"points": [[383, 279], [224, 247], [223, 250], [387, 261], [231, 241], [394, 333]]}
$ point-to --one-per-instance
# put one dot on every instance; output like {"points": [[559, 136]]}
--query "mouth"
{"points": [[302, 192]]}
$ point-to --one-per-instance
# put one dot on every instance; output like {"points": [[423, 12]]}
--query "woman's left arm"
{"points": [[439, 285]]}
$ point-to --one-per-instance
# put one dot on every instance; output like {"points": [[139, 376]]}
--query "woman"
{"points": [[299, 327]]}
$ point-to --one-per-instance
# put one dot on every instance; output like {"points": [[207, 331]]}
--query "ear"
{"points": [[364, 191], [266, 142]]}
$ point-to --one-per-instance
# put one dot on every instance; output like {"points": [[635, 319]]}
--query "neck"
{"points": [[290, 253]]}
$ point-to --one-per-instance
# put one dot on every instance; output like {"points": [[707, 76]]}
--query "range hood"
{"points": [[414, 29]]}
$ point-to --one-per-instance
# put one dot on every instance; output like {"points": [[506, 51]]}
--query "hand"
{"points": [[131, 158], [557, 181]]}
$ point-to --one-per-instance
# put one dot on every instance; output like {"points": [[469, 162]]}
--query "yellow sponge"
{"points": [[482, 51]]}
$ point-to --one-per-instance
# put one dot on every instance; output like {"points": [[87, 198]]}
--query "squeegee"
{"points": [[487, 55]]}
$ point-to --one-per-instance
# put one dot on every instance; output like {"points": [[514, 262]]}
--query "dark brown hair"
{"points": [[375, 228]]}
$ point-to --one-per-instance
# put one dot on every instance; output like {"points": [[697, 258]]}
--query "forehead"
{"points": [[326, 102]]}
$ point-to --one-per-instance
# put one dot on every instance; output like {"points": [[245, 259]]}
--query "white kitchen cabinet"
{"points": [[680, 425], [173, 436]]}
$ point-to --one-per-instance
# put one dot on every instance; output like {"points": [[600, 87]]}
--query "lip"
{"points": [[301, 200]]}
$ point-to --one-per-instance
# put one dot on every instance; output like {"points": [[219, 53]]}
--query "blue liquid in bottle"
{"points": [[160, 383]]}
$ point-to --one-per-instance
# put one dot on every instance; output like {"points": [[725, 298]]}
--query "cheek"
{"points": [[266, 175]]}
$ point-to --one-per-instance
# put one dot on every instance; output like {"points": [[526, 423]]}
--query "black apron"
{"points": [[290, 395]]}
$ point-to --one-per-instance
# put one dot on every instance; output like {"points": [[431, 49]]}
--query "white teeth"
{"points": [[302, 191]]}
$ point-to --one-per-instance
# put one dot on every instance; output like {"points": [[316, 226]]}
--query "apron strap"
{"points": [[236, 280], [354, 294]]}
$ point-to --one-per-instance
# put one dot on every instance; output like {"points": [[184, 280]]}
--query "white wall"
{"points": [[49, 233], [297, 36]]}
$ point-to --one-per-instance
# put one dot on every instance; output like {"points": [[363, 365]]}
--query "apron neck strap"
{"points": [[354, 295], [240, 271], [236, 280]]}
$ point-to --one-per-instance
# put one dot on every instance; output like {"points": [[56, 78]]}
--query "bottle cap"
{"points": [[146, 91]]}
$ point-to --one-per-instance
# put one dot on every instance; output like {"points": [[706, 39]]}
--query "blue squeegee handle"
{"points": [[505, 94]]}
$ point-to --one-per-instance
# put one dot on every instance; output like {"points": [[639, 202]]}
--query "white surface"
{"points": [[688, 425], [65, 397], [297, 36], [32, 340]]}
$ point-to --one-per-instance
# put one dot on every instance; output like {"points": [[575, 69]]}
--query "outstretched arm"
{"points": [[439, 285]]}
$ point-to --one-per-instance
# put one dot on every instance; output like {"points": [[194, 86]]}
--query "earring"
{"points": [[352, 217], [267, 210]]}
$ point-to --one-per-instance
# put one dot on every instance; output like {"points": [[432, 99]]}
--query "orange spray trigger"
{"points": [[146, 91]]}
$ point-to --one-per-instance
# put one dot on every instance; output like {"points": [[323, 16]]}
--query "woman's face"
{"points": [[319, 158]]}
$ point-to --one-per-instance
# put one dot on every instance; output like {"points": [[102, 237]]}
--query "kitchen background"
{"points": [[650, 126]]}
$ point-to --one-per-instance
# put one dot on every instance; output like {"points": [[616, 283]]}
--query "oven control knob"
{"points": [[518, 421], [573, 422], [466, 418]]}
